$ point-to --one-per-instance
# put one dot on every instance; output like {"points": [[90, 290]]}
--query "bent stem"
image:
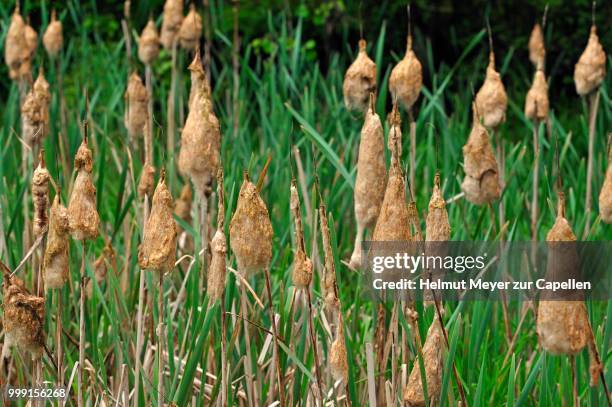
{"points": [[593, 105]]}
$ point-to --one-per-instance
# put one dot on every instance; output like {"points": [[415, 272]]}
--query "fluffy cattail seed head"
{"points": [[328, 283], [406, 78], [359, 80], [24, 318], [536, 103], [191, 29], [218, 267], [199, 156], [40, 196], [394, 141], [437, 226], [82, 212], [605, 196], [158, 249], [302, 265], [148, 43], [42, 93], [15, 44], [171, 22], [137, 99], [147, 181], [338, 360], [432, 361], [56, 261], [251, 231], [182, 209], [481, 184], [590, 69], [491, 99], [537, 50], [53, 38]]}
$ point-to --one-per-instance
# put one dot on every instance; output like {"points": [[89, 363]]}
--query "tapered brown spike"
{"points": [[15, 45], [590, 69], [537, 49], [56, 260], [302, 265], [146, 184], [40, 197], [536, 102], [191, 29], [148, 43], [171, 22], [437, 224], [82, 208], [218, 267], [53, 38], [359, 81], [136, 112], [491, 99], [338, 359]]}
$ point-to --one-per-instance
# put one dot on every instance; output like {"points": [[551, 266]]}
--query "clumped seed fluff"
{"points": [[148, 43], [359, 80], [590, 69], [491, 99], [406, 78], [57, 251], [53, 38], [82, 212]]}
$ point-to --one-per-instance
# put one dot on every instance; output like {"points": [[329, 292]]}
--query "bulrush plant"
{"points": [[359, 80], [191, 29], [338, 359], [31, 43], [83, 221], [158, 254], [53, 38], [589, 73], [536, 110], [328, 282], [605, 195], [437, 226], [146, 184], [537, 49], [405, 85], [217, 271], [136, 112], [394, 139], [148, 43], [182, 209], [15, 44], [40, 197], [481, 184], [171, 22], [371, 178]]}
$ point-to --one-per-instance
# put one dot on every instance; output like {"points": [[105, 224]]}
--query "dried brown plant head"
{"points": [[251, 231], [328, 283], [101, 264], [590, 69], [31, 119], [394, 141], [158, 249], [191, 29], [24, 318], [43, 96], [218, 267], [147, 181], [536, 102], [491, 99], [148, 43], [82, 212], [371, 178], [40, 196], [302, 265], [53, 38], [171, 22], [433, 362], [359, 80], [481, 184], [199, 156], [605, 196], [338, 359], [537, 49], [437, 226], [406, 78], [57, 251], [137, 99], [15, 44]]}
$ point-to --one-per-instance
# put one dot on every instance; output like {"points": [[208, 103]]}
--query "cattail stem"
{"points": [[235, 67], [170, 111], [223, 354], [61, 136], [203, 227], [81, 329], [313, 340], [593, 107], [139, 315], [281, 385], [207, 38], [575, 399], [248, 368], [58, 337], [501, 160], [160, 340], [412, 149], [536, 168], [149, 132]]}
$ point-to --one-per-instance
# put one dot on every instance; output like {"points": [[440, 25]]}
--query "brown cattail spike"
{"points": [[15, 44], [536, 103], [56, 261], [43, 96], [359, 80], [537, 49], [82, 212], [171, 22], [338, 360], [481, 184], [199, 157], [218, 268], [394, 142], [590, 69], [302, 265], [53, 38], [605, 196], [406, 78], [137, 99], [147, 181], [24, 318], [491, 99], [100, 268], [148, 43], [371, 178], [432, 361], [328, 285], [40, 196], [437, 224], [158, 249], [251, 231], [191, 29]]}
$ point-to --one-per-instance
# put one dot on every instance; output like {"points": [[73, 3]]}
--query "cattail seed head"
{"points": [[406, 78], [218, 267], [101, 268], [137, 99], [31, 43], [148, 43], [82, 212], [191, 29], [199, 156], [40, 196], [432, 361], [171, 22], [31, 120], [605, 196], [537, 50], [43, 94], [15, 44], [338, 360], [536, 102], [491, 99], [251, 231], [328, 283], [24, 318], [53, 38], [481, 184], [182, 209], [590, 69], [56, 261], [158, 249], [437, 226], [394, 141], [359, 80], [147, 181], [302, 265]]}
